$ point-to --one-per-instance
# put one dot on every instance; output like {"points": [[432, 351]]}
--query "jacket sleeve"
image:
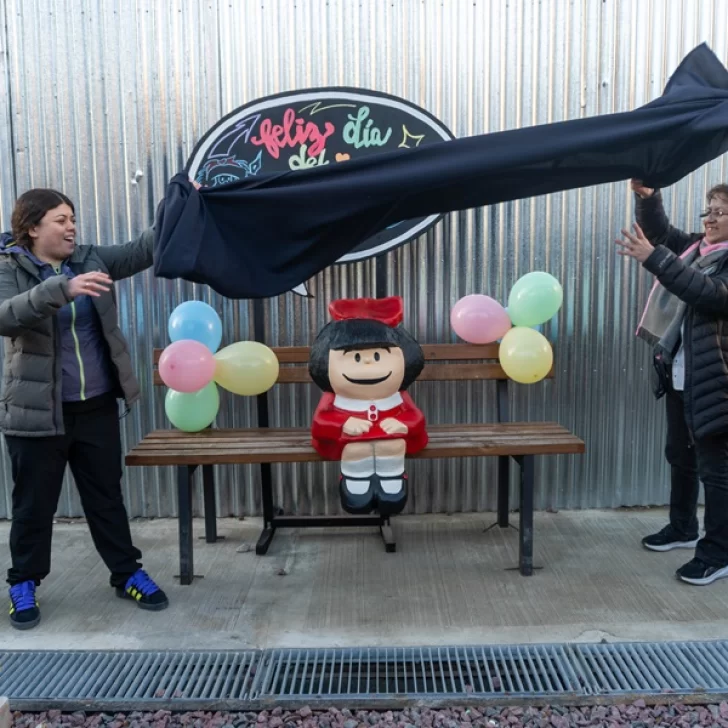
{"points": [[21, 311], [707, 294], [651, 217], [123, 261]]}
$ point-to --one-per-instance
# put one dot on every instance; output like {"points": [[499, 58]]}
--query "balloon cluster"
{"points": [[525, 354], [192, 367]]}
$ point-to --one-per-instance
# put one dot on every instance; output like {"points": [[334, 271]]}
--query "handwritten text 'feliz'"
{"points": [[295, 132]]}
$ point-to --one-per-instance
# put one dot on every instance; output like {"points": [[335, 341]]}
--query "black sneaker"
{"points": [[699, 573], [141, 588], [668, 539], [24, 611]]}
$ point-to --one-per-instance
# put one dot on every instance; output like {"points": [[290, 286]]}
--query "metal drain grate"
{"points": [[433, 672], [364, 677], [122, 679], [653, 668]]}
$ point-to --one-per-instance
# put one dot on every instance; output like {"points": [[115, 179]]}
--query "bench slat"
{"points": [[167, 447], [462, 366], [432, 352], [273, 446], [433, 430], [431, 373]]}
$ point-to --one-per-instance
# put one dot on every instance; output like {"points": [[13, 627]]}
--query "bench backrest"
{"points": [[443, 363]]}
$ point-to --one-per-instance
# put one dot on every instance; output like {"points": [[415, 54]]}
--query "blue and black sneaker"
{"points": [[141, 588], [24, 611]]}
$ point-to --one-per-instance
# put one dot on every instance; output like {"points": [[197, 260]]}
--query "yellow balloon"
{"points": [[525, 355], [246, 367]]}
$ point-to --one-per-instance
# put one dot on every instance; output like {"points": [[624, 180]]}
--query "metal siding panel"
{"points": [[112, 108], [7, 196]]}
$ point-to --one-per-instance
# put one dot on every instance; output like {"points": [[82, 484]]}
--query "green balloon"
{"points": [[194, 411], [534, 299]]}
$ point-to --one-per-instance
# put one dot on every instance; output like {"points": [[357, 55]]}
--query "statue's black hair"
{"points": [[363, 334]]}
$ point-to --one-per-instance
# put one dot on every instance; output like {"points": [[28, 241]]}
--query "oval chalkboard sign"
{"points": [[313, 127]]}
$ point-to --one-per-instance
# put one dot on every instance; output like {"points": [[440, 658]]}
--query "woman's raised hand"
{"points": [[89, 284]]}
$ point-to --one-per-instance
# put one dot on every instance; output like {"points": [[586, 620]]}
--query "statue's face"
{"points": [[366, 373]]}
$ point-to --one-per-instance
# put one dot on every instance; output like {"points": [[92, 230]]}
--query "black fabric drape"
{"points": [[265, 235]]}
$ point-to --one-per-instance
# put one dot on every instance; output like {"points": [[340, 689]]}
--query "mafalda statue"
{"points": [[364, 361]]}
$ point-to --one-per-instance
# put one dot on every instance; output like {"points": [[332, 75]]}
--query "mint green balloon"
{"points": [[193, 411], [534, 299]]}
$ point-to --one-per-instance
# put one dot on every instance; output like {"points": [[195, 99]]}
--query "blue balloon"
{"points": [[198, 321], [498, 341], [536, 327]]}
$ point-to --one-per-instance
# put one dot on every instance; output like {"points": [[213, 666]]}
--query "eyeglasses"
{"points": [[717, 214]]}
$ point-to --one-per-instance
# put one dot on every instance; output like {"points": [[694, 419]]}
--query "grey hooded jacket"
{"points": [[31, 401]]}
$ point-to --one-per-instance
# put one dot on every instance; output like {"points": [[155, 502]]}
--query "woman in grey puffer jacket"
{"points": [[686, 322], [66, 365]]}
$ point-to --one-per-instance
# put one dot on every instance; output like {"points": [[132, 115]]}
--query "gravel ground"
{"points": [[636, 714]]}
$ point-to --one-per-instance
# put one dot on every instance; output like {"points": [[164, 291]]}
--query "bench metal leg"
{"points": [[504, 481], [264, 540], [504, 471], [184, 493], [385, 528], [269, 529], [208, 484], [525, 533]]}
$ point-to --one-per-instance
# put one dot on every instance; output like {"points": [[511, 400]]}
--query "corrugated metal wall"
{"points": [[106, 100]]}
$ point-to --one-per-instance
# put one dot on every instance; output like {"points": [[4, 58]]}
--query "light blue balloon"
{"points": [[198, 321], [553, 329], [505, 308], [537, 327]]}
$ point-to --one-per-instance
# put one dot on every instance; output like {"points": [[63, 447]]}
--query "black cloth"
{"points": [[704, 327], [91, 445], [264, 235], [704, 459]]}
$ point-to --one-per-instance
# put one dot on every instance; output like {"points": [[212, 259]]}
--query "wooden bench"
{"points": [[520, 441]]}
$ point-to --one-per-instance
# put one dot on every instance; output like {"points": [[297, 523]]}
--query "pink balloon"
{"points": [[187, 366], [479, 319]]}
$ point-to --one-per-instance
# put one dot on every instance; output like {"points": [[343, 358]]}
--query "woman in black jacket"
{"points": [[686, 321]]}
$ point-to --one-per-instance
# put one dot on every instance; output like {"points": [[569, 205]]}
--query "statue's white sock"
{"points": [[356, 474], [390, 469], [390, 466]]}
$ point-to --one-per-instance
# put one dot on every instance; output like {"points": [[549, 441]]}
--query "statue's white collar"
{"points": [[364, 405]]}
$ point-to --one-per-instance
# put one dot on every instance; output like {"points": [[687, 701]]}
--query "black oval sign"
{"points": [[313, 127]]}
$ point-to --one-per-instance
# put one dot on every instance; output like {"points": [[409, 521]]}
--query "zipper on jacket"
{"points": [[58, 353], [77, 345]]}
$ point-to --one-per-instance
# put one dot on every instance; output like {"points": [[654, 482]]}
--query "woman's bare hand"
{"points": [[641, 190], [635, 245], [89, 284]]}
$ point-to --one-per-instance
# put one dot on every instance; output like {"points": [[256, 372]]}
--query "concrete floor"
{"points": [[447, 584]]}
